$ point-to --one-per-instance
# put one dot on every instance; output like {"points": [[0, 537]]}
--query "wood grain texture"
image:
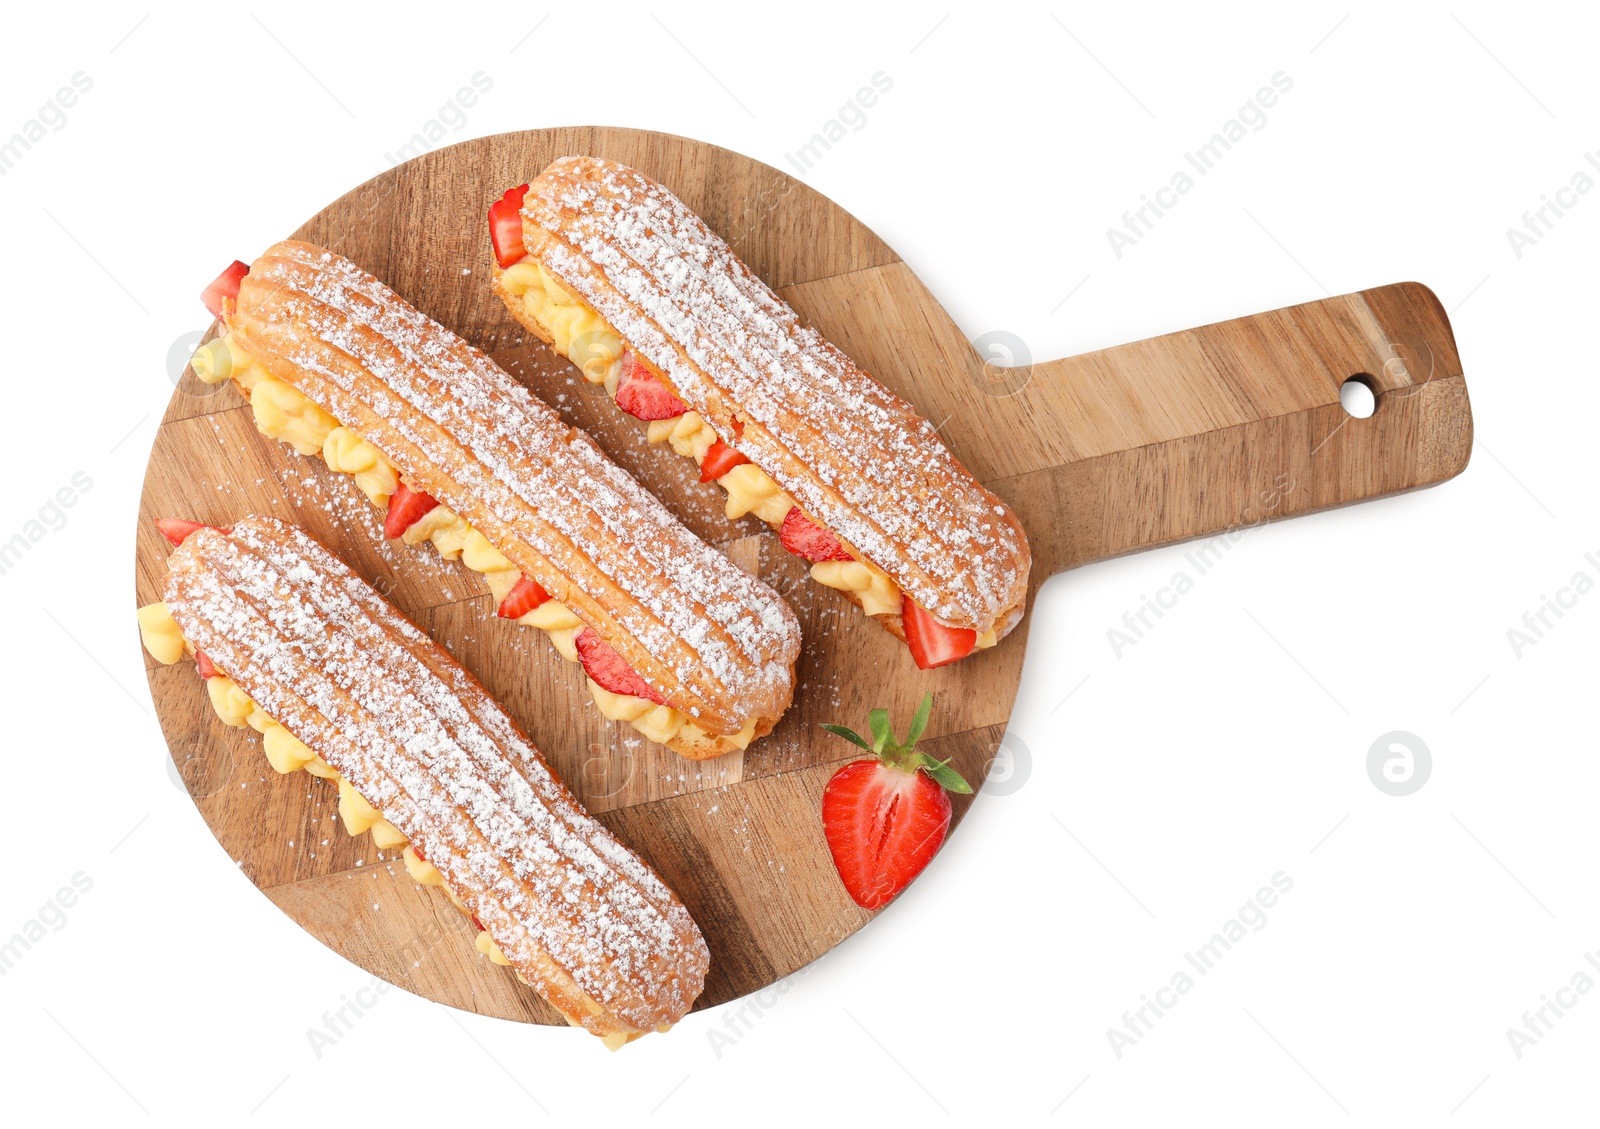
{"points": [[1181, 436]]}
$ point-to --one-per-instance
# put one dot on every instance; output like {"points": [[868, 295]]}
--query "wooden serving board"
{"points": [[1176, 437]]}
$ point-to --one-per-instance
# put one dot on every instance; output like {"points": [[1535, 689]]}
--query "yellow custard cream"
{"points": [[877, 593], [588, 341], [287, 753], [579, 334], [282, 412]]}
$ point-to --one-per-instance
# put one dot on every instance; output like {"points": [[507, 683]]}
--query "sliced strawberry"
{"points": [[886, 818], [406, 508], [640, 394], [203, 665], [522, 599], [225, 285], [883, 827], [477, 923], [720, 459], [505, 226], [610, 669], [805, 538], [932, 643], [175, 529]]}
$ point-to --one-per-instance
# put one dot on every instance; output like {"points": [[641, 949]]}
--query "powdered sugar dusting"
{"points": [[719, 643], [320, 650], [850, 452]]}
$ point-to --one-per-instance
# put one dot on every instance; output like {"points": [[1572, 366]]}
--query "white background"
{"points": [[1228, 745]]}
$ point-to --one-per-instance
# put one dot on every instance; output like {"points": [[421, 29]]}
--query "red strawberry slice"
{"points": [[805, 538], [640, 394], [175, 529], [477, 923], [610, 669], [720, 459], [886, 818], [883, 827], [932, 643], [406, 508], [505, 226], [203, 665], [522, 599], [225, 285]]}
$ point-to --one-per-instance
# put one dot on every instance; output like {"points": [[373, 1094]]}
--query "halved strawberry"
{"points": [[640, 394], [203, 665], [932, 643], [720, 459], [176, 529], [886, 818], [505, 226], [522, 599], [805, 538], [406, 508], [610, 669], [225, 285]]}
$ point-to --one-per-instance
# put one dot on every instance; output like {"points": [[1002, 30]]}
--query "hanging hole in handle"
{"points": [[1359, 395]]}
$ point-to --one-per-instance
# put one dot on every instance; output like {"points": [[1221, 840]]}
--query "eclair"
{"points": [[295, 645], [674, 638], [619, 276]]}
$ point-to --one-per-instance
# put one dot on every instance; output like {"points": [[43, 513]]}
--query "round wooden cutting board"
{"points": [[1181, 436]]}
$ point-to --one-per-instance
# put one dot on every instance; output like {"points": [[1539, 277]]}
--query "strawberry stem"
{"points": [[946, 777], [919, 721], [903, 755], [882, 734], [848, 734]]}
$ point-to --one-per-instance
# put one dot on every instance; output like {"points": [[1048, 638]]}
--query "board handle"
{"points": [[1214, 429]]}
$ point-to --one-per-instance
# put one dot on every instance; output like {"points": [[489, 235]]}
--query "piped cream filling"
{"points": [[877, 593], [582, 336], [283, 412]]}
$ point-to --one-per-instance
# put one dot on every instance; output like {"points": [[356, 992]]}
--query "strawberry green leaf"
{"points": [[882, 735], [848, 734], [946, 777], [919, 721]]}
